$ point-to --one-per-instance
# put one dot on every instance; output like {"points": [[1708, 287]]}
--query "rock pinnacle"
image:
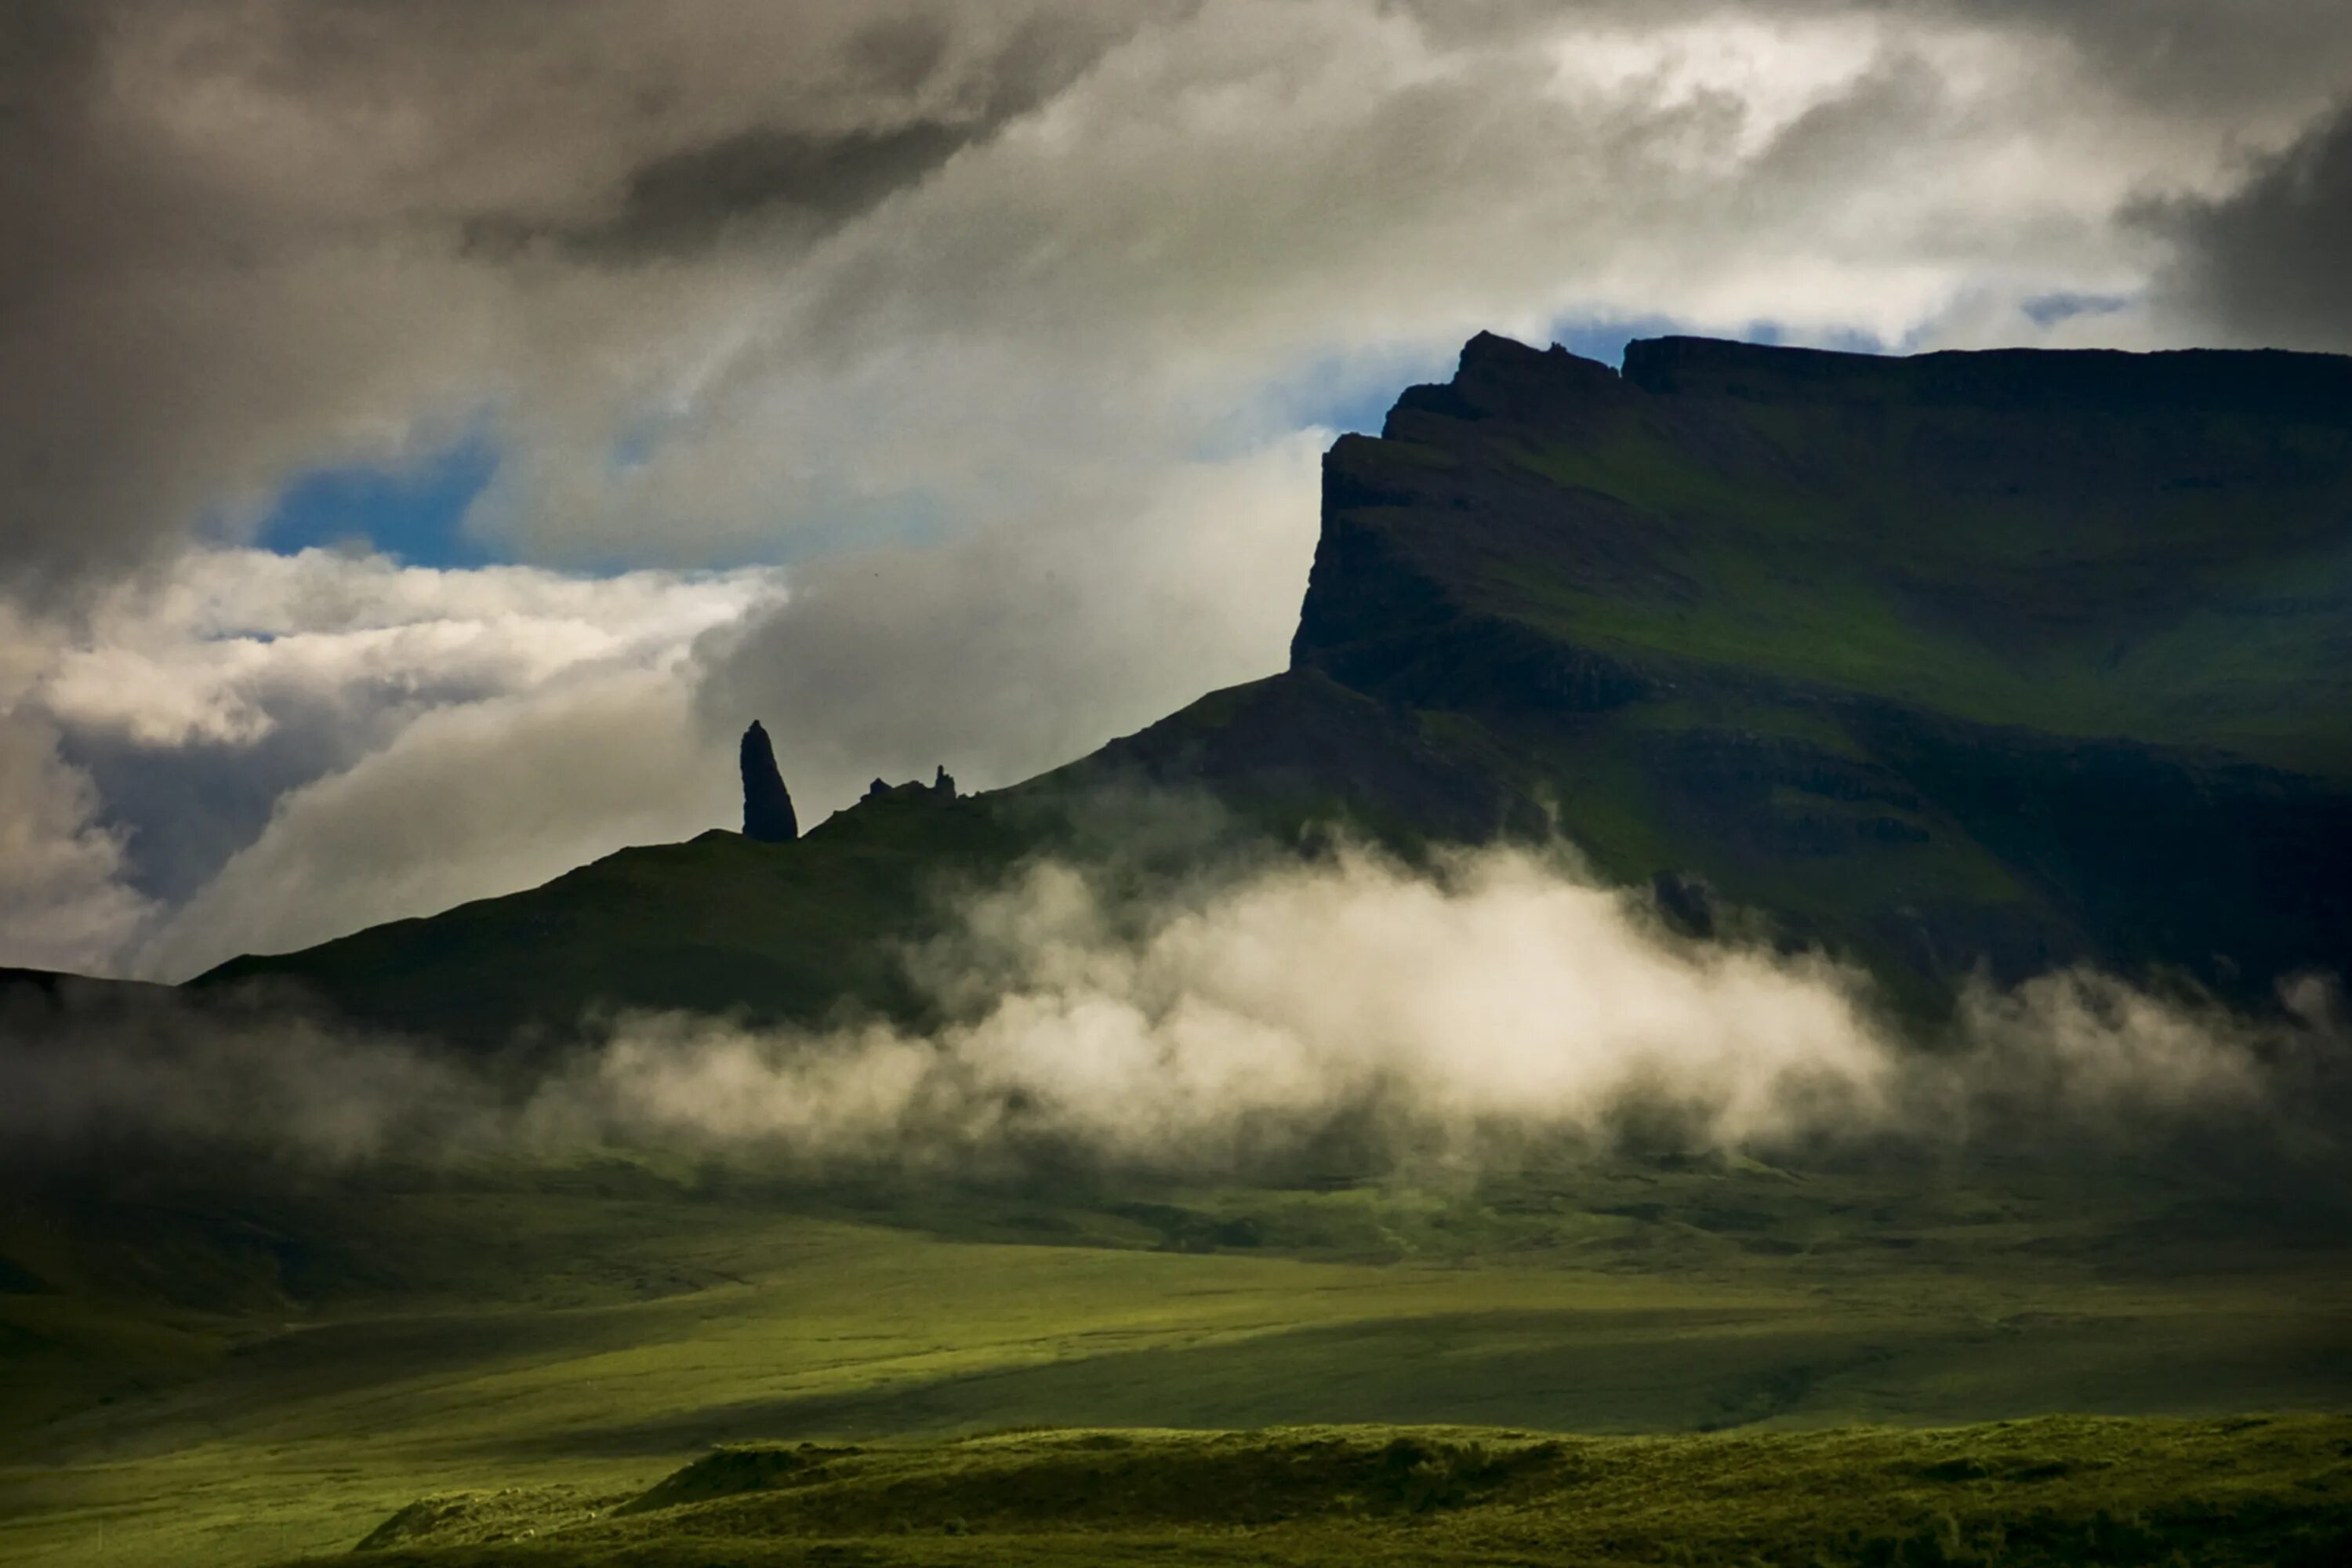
{"points": [[767, 807]]}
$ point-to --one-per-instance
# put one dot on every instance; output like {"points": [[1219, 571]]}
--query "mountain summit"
{"points": [[1949, 663]]}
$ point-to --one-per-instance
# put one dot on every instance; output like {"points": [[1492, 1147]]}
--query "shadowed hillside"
{"points": [[2001, 659]]}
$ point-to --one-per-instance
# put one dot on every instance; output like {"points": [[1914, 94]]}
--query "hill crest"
{"points": [[1986, 660]]}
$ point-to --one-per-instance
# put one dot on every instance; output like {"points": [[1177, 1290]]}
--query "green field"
{"points": [[2054, 1491], [201, 1374]]}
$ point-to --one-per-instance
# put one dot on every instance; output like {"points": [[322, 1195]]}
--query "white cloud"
{"points": [[437, 729], [1503, 996], [1023, 646], [467, 801], [1454, 1015], [64, 902], [213, 648]]}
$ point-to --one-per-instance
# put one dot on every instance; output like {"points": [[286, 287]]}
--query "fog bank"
{"points": [[1496, 998]]}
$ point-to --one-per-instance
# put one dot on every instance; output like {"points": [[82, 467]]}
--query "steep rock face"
{"points": [[2151, 546], [767, 804], [2006, 658]]}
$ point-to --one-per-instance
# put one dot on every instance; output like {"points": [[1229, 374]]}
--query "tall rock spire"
{"points": [[767, 807]]}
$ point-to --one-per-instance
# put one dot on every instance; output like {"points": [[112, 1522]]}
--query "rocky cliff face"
{"points": [[2005, 659]]}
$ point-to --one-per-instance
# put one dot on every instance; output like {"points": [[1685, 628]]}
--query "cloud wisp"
{"points": [[1464, 1011], [1497, 997], [232, 755]]}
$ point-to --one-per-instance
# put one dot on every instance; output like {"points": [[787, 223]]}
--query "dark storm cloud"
{"points": [[246, 236], [239, 240], [76, 205], [684, 201], [140, 378], [2243, 60], [2271, 262], [803, 180]]}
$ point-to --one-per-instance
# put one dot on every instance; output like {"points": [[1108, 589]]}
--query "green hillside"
{"points": [[719, 923], [2051, 1492], [208, 1363], [1998, 660], [2105, 546], [2010, 657], [817, 929]]}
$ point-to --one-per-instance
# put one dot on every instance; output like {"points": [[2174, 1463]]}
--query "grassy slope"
{"points": [[717, 924], [805, 930], [594, 1330], [2177, 575], [2055, 1491]]}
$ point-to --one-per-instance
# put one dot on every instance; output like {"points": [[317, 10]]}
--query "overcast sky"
{"points": [[430, 430]]}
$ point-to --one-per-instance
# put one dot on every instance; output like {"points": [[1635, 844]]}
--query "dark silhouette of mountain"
{"points": [[1953, 662], [45, 990], [2014, 658]]}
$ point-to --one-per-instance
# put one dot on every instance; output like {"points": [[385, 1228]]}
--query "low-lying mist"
{"points": [[1464, 1008]]}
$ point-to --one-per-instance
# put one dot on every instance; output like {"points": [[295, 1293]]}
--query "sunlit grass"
{"points": [[512, 1329]]}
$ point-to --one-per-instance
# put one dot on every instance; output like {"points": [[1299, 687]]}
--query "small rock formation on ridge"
{"points": [[941, 789], [767, 806]]}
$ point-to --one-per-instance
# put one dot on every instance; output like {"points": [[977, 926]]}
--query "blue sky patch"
{"points": [[415, 512], [1605, 340]]}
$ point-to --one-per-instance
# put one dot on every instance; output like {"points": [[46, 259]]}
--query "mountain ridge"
{"points": [[1921, 658]]}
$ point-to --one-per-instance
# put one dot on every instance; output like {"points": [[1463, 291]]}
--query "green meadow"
{"points": [[2052, 1490], [1606, 1360]]}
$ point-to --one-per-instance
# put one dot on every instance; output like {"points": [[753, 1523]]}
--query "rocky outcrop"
{"points": [[941, 790], [767, 804]]}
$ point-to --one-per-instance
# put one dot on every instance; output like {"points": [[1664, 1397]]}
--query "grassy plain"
{"points": [[216, 1377], [2049, 1491]]}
